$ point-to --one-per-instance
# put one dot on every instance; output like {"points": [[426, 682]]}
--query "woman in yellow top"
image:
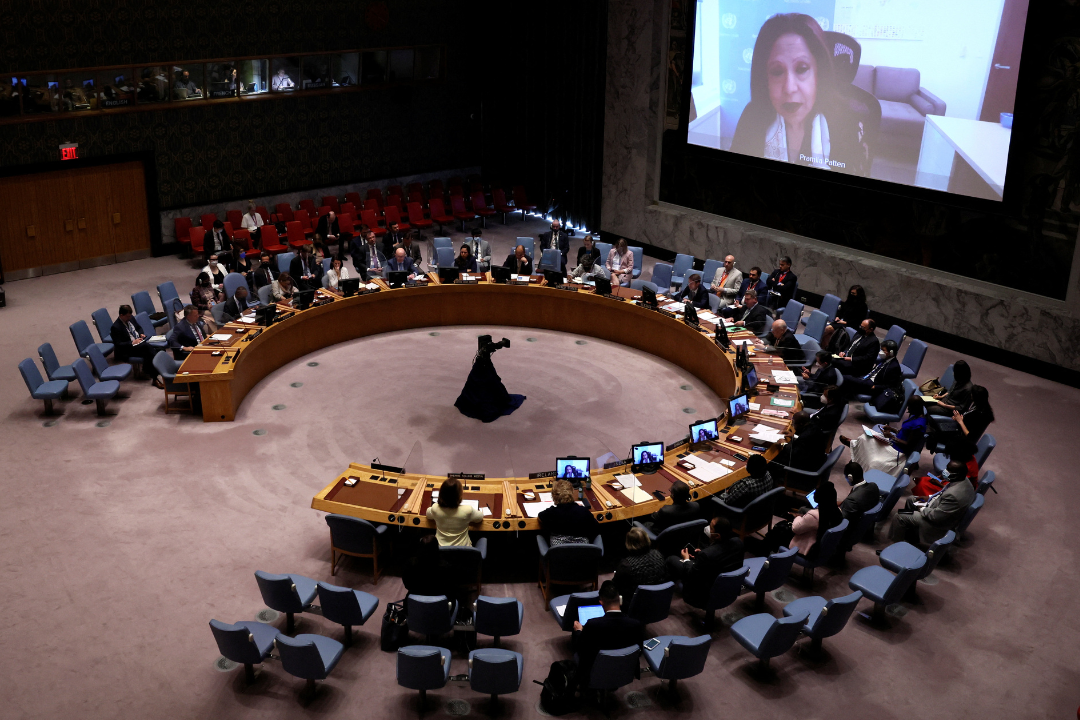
{"points": [[452, 519]]}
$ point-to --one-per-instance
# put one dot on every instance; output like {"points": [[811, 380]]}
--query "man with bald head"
{"points": [[727, 281], [401, 262], [781, 340], [519, 263]]}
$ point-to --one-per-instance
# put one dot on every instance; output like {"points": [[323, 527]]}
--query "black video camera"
{"points": [[484, 344]]}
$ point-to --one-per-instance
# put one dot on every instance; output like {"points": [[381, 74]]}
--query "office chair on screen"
{"points": [[860, 104]]}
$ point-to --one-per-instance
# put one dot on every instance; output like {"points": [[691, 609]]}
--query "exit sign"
{"points": [[69, 151]]}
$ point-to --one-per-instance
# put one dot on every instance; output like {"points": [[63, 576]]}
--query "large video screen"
{"points": [[915, 92]]}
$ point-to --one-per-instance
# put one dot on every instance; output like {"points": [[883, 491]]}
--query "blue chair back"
{"points": [[984, 447], [575, 601], [236, 643], [166, 292], [30, 375], [48, 359], [284, 260], [145, 324], [913, 357], [903, 581], [326, 264], [431, 614], [464, 561], [444, 257], [614, 669], [604, 248], [444, 242], [776, 570], [83, 374], [972, 511], [830, 541], [865, 524], [896, 334], [494, 672], [80, 333], [300, 657], [661, 276], [709, 272], [529, 246], [340, 605], [499, 617], [166, 366], [671, 540], [726, 589], [946, 379], [894, 494], [781, 636], [714, 302], [638, 253], [278, 592], [97, 359], [638, 284], [937, 552], [815, 325], [551, 259], [829, 305], [141, 302], [420, 667], [986, 483], [103, 323], [574, 561], [652, 603], [681, 267], [351, 534], [264, 295], [792, 314], [684, 657], [232, 281], [835, 615]]}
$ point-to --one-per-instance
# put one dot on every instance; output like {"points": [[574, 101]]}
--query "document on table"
{"points": [[675, 306], [158, 338], [742, 342], [755, 406], [628, 480], [706, 316], [708, 471], [533, 509], [371, 286], [637, 495], [781, 402], [223, 337], [474, 504], [783, 377], [245, 319]]}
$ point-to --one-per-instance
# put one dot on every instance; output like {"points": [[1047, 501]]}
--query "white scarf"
{"points": [[820, 147]]}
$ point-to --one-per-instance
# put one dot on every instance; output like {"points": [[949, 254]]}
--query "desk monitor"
{"points": [[690, 313], [704, 431], [574, 469], [554, 278], [349, 286], [647, 453], [303, 299], [265, 315], [721, 337], [500, 274], [648, 296], [603, 286], [738, 407], [585, 613], [447, 275], [750, 379], [397, 278]]}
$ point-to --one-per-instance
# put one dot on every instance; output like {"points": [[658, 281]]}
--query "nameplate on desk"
{"points": [[218, 94], [677, 443], [537, 476], [571, 288], [465, 476]]}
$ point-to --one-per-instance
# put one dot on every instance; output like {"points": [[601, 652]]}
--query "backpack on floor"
{"points": [[557, 697], [395, 627]]}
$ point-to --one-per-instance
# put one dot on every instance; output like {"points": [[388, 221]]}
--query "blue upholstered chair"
{"points": [[889, 502], [550, 259], [80, 333], [672, 539], [444, 257], [792, 314], [827, 547], [614, 669], [355, 537], [217, 311], [661, 276], [104, 371], [769, 573], [103, 323], [423, 668], [972, 511], [766, 637], [714, 303], [983, 448], [883, 587], [896, 334], [986, 482], [639, 283], [810, 348], [264, 294], [308, 657], [284, 260], [725, 590], [757, 513], [166, 294], [875, 416], [235, 280], [638, 252], [246, 642], [683, 266], [289, 593], [99, 392], [826, 618], [39, 388], [603, 247], [498, 617], [564, 608], [495, 672], [53, 369], [346, 607], [862, 530], [529, 245], [815, 327], [569, 564], [142, 303], [829, 305], [804, 481], [146, 327], [913, 357], [448, 243], [678, 657], [709, 272], [651, 603], [900, 555], [167, 367], [466, 562], [767, 328], [431, 615]]}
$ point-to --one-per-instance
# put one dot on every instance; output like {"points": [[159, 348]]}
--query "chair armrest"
{"points": [[650, 533], [599, 542], [727, 508], [803, 473], [380, 529], [481, 545], [542, 545], [938, 103]]}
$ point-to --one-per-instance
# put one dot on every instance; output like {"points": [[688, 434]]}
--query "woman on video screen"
{"points": [[793, 115]]}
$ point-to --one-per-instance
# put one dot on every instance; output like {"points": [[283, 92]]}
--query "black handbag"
{"points": [[395, 627]]}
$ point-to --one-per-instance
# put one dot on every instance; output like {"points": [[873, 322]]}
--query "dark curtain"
{"points": [[540, 100]]}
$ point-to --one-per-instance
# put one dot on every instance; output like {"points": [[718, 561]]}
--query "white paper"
{"points": [[871, 433], [560, 610], [486, 511], [707, 316], [783, 377], [535, 508], [755, 406], [742, 342], [637, 495], [371, 286], [245, 319], [709, 471], [158, 338], [221, 336], [628, 480], [675, 306], [474, 504], [546, 497]]}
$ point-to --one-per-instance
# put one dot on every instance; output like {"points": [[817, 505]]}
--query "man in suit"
{"points": [[236, 305], [216, 241], [807, 448], [693, 293], [402, 263], [481, 250], [391, 239], [749, 315], [727, 281], [781, 284], [306, 270], [411, 244], [863, 496], [751, 281], [367, 258], [861, 355], [781, 340], [885, 375], [923, 522], [519, 263], [827, 419], [612, 631], [129, 342], [187, 333], [556, 239], [265, 274], [719, 551], [328, 232], [682, 509]]}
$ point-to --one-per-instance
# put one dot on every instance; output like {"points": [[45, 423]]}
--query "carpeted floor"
{"points": [[120, 543]]}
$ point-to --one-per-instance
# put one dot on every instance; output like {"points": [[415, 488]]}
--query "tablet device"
{"points": [[703, 431], [648, 453], [810, 499], [585, 613], [574, 469]]}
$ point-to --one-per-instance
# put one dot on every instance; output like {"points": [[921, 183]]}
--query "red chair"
{"points": [[375, 194], [263, 213], [243, 238], [308, 205], [456, 180], [183, 230], [456, 191], [393, 215], [475, 186], [207, 221], [324, 210], [197, 234], [295, 234], [435, 188], [229, 233], [373, 205], [457, 206], [521, 202], [236, 218], [369, 218], [270, 240], [348, 208], [331, 202], [416, 196], [438, 213], [394, 190], [498, 199], [394, 201], [415, 187], [345, 224], [354, 198], [480, 207], [416, 216], [284, 211], [305, 222]]}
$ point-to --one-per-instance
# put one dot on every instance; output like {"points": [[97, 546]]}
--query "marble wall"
{"points": [[1030, 325]]}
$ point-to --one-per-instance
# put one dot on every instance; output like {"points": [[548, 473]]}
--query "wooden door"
{"points": [[94, 229], [1005, 68]]}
